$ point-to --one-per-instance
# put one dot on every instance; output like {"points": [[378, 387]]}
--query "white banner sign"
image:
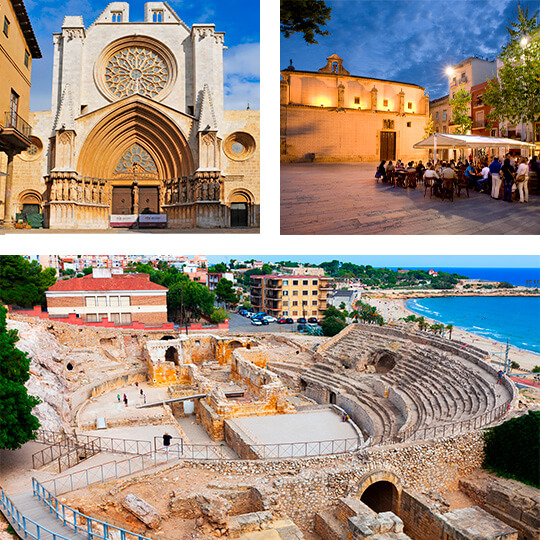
{"points": [[152, 219], [123, 220]]}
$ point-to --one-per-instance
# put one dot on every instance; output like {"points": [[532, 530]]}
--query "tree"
{"points": [[23, 283], [218, 268], [17, 424], [515, 95], [219, 315], [225, 292], [450, 327], [332, 325], [429, 128], [190, 299], [460, 111], [304, 16]]}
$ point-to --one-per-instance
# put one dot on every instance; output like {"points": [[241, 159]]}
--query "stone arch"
{"points": [[382, 361], [30, 197], [241, 203], [171, 355], [135, 120], [381, 491], [166, 338]]}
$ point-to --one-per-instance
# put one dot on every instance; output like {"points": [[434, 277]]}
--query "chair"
{"points": [[462, 182], [411, 179], [400, 180], [447, 189], [428, 184], [391, 177]]}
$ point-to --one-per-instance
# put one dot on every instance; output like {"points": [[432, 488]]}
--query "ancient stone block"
{"points": [[142, 510]]}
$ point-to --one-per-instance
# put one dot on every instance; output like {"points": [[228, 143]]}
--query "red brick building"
{"points": [[120, 298], [480, 113]]}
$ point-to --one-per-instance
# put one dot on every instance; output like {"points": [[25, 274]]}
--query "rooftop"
{"points": [[122, 282]]}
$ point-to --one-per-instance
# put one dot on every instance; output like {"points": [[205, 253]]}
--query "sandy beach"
{"points": [[394, 309]]}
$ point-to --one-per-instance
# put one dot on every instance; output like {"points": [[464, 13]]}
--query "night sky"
{"points": [[410, 41], [237, 18]]}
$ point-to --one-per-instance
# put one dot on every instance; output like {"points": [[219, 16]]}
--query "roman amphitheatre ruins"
{"points": [[261, 448]]}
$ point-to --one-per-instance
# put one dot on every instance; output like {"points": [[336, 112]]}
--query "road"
{"points": [[237, 323]]}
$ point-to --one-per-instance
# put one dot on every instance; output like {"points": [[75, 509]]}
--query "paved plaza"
{"points": [[344, 198]]}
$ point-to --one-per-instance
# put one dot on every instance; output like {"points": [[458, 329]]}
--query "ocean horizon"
{"points": [[497, 318]]}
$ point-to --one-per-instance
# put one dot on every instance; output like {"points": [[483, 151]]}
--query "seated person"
{"points": [[470, 175], [482, 183]]}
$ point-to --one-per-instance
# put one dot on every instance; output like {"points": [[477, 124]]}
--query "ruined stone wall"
{"points": [[300, 488], [251, 375], [419, 518]]}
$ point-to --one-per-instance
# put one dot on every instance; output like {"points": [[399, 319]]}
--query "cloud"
{"points": [[239, 92], [242, 60]]}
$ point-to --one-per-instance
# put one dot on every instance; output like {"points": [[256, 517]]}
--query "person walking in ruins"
{"points": [[166, 442], [125, 400], [119, 398]]}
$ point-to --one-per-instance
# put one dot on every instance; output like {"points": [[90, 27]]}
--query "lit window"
{"points": [[6, 26], [385, 103], [357, 101], [409, 105]]}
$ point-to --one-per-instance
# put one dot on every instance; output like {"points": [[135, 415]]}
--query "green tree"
{"points": [[219, 315], [17, 424], [332, 325], [304, 16], [333, 311], [23, 283], [515, 95], [218, 268], [450, 327], [225, 292], [505, 285], [187, 300], [460, 111]]}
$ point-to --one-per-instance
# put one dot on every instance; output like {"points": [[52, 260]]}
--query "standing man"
{"points": [[167, 442], [125, 400], [495, 170]]}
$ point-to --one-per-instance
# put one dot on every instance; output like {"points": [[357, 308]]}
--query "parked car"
{"points": [[301, 320], [289, 321], [282, 320], [313, 320], [269, 318], [257, 322]]}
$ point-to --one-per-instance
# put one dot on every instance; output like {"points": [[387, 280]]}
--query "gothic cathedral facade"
{"points": [[137, 127]]}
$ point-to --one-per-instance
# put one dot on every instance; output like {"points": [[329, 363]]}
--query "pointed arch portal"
{"points": [[136, 147]]}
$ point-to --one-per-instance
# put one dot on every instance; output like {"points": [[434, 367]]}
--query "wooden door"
{"points": [[148, 200], [388, 145], [122, 201], [239, 214]]}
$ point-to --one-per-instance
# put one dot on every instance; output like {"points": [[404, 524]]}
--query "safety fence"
{"points": [[305, 449], [81, 523], [24, 526], [446, 430], [119, 469]]}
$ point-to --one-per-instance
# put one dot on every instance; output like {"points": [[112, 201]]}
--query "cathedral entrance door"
{"points": [[388, 145], [122, 201], [148, 200], [239, 214]]}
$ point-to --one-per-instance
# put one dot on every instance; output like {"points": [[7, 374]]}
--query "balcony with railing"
{"points": [[15, 132], [479, 124]]}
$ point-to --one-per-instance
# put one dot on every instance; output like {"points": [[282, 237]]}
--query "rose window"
{"points": [[136, 70], [136, 158]]}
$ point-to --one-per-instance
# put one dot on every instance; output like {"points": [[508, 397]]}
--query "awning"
{"points": [[450, 140]]}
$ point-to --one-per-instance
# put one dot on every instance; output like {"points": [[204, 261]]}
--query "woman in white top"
{"points": [[522, 180]]}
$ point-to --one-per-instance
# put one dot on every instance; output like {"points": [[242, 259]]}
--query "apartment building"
{"points": [[120, 298], [290, 295]]}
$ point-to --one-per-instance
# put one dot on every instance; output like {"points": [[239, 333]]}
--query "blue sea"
{"points": [[498, 318]]}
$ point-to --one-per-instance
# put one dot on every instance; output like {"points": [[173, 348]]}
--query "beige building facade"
{"points": [[18, 47], [331, 115], [290, 295], [137, 128]]}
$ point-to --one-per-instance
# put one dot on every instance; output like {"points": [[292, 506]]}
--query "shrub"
{"points": [[536, 369], [512, 449], [332, 326], [219, 315], [514, 365]]}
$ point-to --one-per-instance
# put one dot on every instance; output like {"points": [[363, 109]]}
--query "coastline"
{"points": [[395, 308]]}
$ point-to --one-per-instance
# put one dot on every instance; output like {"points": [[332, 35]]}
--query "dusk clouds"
{"points": [[410, 41]]}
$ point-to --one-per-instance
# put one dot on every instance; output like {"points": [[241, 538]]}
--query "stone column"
{"points": [[373, 99], [7, 210], [340, 96]]}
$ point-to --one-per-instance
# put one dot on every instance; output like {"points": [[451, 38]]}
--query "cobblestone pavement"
{"points": [[344, 198]]}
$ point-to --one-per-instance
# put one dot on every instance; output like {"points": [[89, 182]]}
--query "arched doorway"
{"points": [[240, 203], [30, 202], [381, 496], [171, 355]]}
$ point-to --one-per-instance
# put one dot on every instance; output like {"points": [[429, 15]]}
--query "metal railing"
{"points": [[446, 430], [118, 469], [305, 449], [79, 522], [67, 455], [13, 120], [23, 525]]}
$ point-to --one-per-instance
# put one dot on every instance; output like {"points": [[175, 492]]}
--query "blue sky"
{"points": [[403, 261], [409, 41], [239, 19]]}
